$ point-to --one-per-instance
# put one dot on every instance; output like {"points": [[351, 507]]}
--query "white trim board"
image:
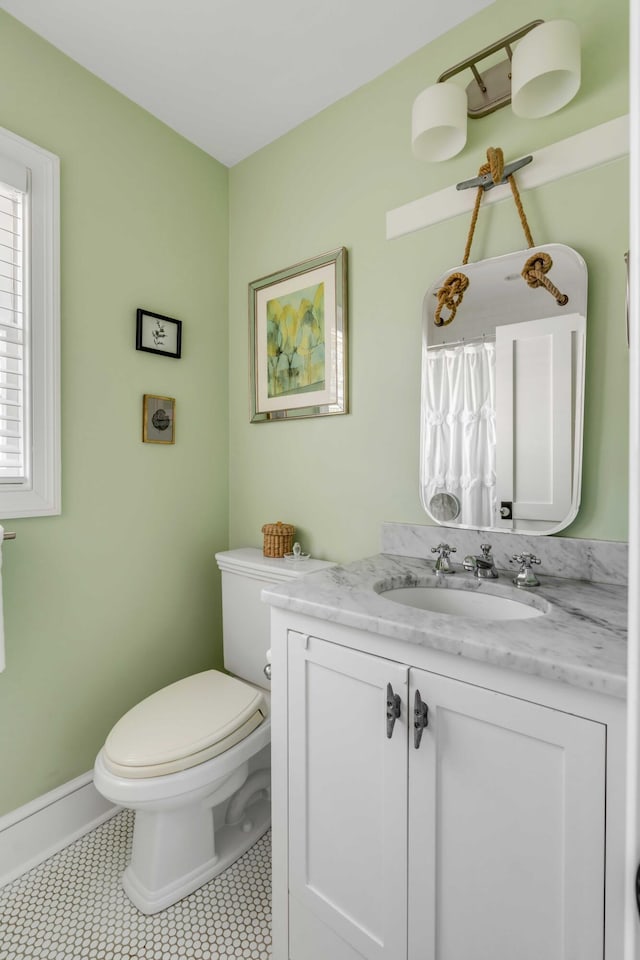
{"points": [[34, 832], [632, 833], [590, 148], [40, 494]]}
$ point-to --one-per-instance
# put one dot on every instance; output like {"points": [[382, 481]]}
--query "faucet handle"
{"points": [[486, 550], [526, 559], [443, 564], [443, 550], [526, 577]]}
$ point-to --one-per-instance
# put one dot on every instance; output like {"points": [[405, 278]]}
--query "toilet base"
{"points": [[231, 841]]}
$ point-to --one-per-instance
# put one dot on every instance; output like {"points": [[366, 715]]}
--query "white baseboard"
{"points": [[44, 826]]}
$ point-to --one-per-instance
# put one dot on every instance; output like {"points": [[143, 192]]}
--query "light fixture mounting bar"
{"points": [[490, 89]]}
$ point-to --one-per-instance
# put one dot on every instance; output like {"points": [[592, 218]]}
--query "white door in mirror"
{"points": [[535, 418]]}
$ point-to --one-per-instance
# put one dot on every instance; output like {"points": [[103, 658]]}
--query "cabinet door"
{"points": [[347, 805], [506, 829]]}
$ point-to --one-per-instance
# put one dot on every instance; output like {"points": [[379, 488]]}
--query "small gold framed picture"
{"points": [[158, 419]]}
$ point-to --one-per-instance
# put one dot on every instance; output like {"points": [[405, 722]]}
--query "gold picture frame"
{"points": [[158, 419], [298, 340]]}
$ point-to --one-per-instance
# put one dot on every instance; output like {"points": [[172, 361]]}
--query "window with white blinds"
{"points": [[29, 329], [12, 334]]}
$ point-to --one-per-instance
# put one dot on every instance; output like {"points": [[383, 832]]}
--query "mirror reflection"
{"points": [[503, 397]]}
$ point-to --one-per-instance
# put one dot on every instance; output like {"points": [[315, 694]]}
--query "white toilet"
{"points": [[193, 759]]}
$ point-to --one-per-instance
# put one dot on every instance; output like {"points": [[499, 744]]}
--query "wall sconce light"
{"points": [[538, 77]]}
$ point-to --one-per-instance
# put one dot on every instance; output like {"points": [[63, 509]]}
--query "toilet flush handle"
{"points": [[267, 666]]}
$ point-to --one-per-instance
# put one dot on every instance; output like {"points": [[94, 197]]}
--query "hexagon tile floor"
{"points": [[72, 907]]}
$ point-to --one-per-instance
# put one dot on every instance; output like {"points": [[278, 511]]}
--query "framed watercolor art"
{"points": [[298, 337]]}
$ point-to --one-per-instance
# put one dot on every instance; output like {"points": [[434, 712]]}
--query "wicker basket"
{"points": [[278, 539]]}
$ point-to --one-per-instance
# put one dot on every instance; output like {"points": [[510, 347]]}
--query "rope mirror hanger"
{"points": [[535, 269]]}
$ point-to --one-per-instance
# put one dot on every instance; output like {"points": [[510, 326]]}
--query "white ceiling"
{"points": [[233, 75]]}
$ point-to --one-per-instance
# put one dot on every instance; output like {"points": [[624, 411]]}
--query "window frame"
{"points": [[40, 493]]}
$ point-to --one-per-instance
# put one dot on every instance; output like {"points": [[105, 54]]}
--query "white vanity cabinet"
{"points": [[347, 804], [484, 842], [506, 828]]}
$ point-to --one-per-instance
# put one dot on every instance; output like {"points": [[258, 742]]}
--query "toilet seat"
{"points": [[183, 725]]}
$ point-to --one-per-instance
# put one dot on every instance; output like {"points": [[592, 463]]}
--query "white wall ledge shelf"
{"points": [[591, 148]]}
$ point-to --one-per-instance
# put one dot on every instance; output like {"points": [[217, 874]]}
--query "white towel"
{"points": [[2, 660]]}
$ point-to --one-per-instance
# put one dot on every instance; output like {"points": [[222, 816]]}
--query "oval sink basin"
{"points": [[462, 603]]}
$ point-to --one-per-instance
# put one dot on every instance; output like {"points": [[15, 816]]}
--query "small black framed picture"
{"points": [[158, 419], [158, 334]]}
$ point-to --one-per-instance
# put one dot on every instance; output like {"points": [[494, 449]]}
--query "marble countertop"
{"points": [[580, 639]]}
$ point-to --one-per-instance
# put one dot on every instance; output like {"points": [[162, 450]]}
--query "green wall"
{"points": [[118, 595], [329, 183]]}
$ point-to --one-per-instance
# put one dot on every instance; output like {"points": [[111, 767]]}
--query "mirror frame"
{"points": [[477, 318]]}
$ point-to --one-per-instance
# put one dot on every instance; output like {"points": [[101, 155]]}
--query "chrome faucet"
{"points": [[482, 567], [443, 564], [525, 577]]}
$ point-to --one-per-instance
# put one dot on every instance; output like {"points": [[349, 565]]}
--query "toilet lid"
{"points": [[183, 724]]}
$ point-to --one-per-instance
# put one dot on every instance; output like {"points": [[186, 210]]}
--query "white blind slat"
{"points": [[11, 429], [11, 357], [8, 273], [11, 334], [9, 255], [12, 351], [10, 317], [14, 179], [8, 413], [10, 449], [8, 233], [10, 300], [11, 367], [7, 220], [7, 204], [11, 383]]}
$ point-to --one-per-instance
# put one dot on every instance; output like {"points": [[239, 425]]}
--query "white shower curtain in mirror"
{"points": [[459, 430]]}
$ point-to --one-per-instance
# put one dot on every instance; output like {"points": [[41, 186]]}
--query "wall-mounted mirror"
{"points": [[503, 397]]}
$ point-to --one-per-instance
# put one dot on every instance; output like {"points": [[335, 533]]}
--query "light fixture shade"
{"points": [[545, 70], [439, 122]]}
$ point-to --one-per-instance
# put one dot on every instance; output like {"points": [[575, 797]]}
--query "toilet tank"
{"points": [[245, 618]]}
